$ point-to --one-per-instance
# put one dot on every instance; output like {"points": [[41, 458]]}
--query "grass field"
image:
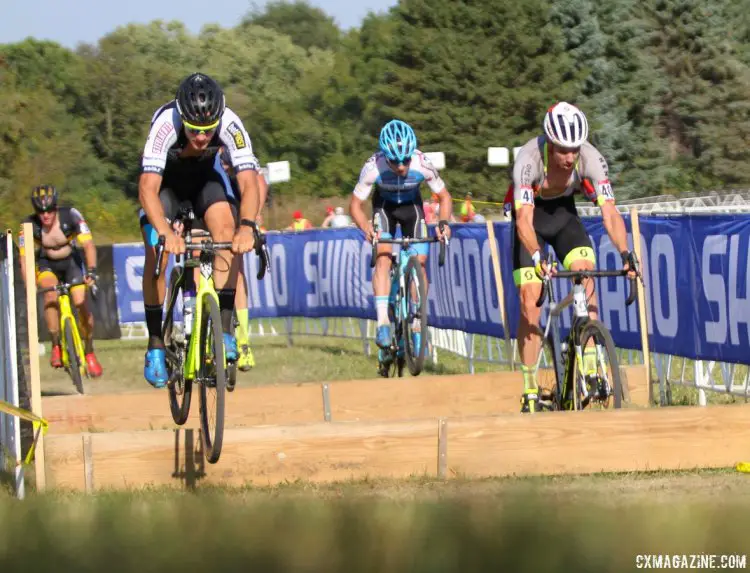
{"points": [[573, 523], [310, 359]]}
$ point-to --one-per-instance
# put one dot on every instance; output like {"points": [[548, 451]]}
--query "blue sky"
{"points": [[69, 22]]}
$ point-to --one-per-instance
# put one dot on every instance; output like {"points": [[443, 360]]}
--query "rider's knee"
{"points": [[50, 298], [224, 233]]}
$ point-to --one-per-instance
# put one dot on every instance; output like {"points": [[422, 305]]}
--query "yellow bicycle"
{"points": [[73, 355], [194, 346]]}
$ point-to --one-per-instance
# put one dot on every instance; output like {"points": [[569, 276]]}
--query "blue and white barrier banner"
{"points": [[696, 270], [326, 273]]}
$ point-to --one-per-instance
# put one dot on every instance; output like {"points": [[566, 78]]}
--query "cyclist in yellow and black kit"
{"points": [[55, 229], [547, 172]]}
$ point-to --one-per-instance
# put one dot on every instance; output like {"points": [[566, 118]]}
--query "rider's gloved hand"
{"points": [[541, 268], [630, 263], [91, 277], [443, 230]]}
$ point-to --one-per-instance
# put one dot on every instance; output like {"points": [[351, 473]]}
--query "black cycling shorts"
{"points": [[66, 270], [386, 215], [557, 224], [197, 186]]}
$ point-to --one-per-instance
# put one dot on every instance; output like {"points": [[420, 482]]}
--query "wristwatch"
{"points": [[249, 223]]}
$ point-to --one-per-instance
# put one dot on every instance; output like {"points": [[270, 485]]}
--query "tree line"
{"points": [[664, 83]]}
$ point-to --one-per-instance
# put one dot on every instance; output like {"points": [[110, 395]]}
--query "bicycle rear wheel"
{"points": [[179, 389], [213, 379], [74, 361], [602, 389], [415, 297]]}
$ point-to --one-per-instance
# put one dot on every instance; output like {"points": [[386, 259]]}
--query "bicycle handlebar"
{"points": [[210, 246], [585, 274], [67, 286], [407, 241]]}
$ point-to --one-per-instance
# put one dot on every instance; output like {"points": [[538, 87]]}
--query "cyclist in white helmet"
{"points": [[547, 172]]}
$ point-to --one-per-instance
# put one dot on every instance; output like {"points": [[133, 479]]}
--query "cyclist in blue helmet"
{"points": [[397, 172]]}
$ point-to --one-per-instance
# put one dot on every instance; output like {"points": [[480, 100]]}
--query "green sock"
{"points": [[589, 360], [529, 377], [242, 328]]}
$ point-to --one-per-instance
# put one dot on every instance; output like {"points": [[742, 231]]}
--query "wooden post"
{"points": [[643, 319], [500, 291], [31, 316], [88, 464], [442, 465]]}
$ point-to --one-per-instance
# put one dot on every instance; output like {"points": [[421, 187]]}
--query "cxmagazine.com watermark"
{"points": [[691, 561]]}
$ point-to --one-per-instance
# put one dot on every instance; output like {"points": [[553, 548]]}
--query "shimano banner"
{"points": [[326, 273], [696, 270]]}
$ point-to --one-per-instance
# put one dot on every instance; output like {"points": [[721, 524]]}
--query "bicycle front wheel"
{"points": [[74, 361], [415, 321], [213, 379], [179, 389], [600, 388]]}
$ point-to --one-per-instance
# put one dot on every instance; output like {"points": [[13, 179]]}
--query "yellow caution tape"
{"points": [[38, 424], [458, 200], [743, 467]]}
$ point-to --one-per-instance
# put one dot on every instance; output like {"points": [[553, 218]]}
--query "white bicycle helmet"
{"points": [[565, 125]]}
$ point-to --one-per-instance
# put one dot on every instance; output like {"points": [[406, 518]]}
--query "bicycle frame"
{"points": [[66, 313], [205, 288]]}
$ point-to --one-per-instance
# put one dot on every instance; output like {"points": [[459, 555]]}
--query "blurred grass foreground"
{"points": [[525, 529]]}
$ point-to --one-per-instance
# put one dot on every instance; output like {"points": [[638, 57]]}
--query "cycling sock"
{"points": [[55, 338], [381, 307], [529, 377], [589, 360], [155, 342], [226, 305], [242, 329], [153, 320], [88, 345]]}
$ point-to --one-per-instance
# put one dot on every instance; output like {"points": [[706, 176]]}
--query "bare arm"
{"points": [[446, 205], [360, 217], [148, 195], [251, 198], [89, 252], [615, 226], [525, 228]]}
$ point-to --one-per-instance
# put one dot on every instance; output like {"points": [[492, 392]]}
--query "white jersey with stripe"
{"points": [[590, 175], [167, 140], [392, 187]]}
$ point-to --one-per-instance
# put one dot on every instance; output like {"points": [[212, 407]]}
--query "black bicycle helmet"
{"points": [[200, 100], [44, 198]]}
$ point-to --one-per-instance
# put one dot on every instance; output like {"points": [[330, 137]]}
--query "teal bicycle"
{"points": [[407, 307]]}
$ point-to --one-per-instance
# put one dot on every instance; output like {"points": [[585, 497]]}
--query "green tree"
{"points": [[307, 26]]}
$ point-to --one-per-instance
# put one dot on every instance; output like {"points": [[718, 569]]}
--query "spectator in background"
{"points": [[259, 222], [429, 213], [299, 223], [340, 219], [467, 209], [329, 217]]}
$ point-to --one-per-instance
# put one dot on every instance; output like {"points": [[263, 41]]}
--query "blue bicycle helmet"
{"points": [[397, 141]]}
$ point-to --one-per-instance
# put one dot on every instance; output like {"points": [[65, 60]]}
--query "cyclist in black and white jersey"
{"points": [[548, 171], [180, 165]]}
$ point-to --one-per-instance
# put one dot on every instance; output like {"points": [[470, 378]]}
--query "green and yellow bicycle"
{"points": [[73, 354], [198, 357]]}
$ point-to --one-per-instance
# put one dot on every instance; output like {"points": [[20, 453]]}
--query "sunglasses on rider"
{"points": [[200, 129], [406, 162]]}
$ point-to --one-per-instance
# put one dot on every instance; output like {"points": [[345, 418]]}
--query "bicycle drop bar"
{"points": [[67, 286], [405, 241], [584, 274]]}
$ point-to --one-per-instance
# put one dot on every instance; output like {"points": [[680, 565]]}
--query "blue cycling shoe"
{"points": [[383, 336], [230, 347], [155, 369]]}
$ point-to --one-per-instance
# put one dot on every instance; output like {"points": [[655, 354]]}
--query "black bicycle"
{"points": [[573, 386]]}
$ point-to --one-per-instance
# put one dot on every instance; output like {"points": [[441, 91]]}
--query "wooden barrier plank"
{"points": [[150, 410], [549, 443], [587, 442], [314, 452]]}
